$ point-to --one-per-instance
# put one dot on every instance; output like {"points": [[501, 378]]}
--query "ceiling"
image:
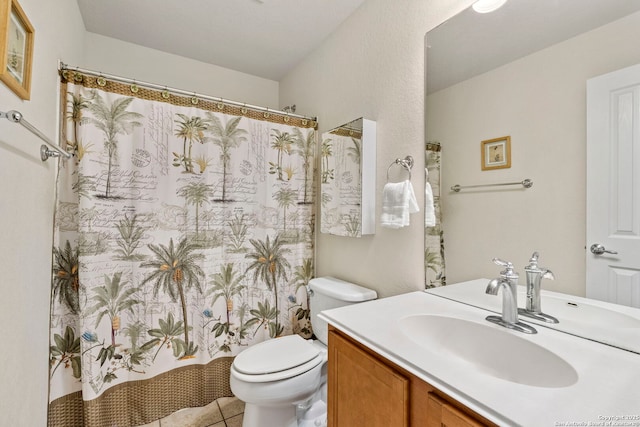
{"points": [[264, 38], [470, 43]]}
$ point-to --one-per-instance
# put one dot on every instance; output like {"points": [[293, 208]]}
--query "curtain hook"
{"points": [[266, 114], [243, 110], [221, 104], [77, 76], [101, 80]]}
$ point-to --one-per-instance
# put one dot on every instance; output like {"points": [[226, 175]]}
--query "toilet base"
{"points": [[289, 416], [269, 416], [315, 416], [312, 412]]}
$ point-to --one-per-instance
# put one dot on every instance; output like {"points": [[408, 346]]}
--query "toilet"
{"points": [[283, 381]]}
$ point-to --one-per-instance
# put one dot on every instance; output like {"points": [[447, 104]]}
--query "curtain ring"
{"points": [[221, 104], [266, 114], [165, 93], [287, 118], [243, 110], [194, 99], [134, 87], [304, 122], [101, 81]]}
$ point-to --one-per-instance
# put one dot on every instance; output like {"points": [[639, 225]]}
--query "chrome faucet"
{"points": [[508, 282], [535, 275]]}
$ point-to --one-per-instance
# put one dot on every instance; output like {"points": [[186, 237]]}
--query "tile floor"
{"points": [[224, 412]]}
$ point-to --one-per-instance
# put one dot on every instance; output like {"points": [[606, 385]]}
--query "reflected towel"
{"points": [[429, 207], [398, 201]]}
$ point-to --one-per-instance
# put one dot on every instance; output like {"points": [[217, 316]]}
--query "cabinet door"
{"points": [[442, 414], [362, 390]]}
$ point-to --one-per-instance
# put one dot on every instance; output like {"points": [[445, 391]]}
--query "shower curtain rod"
{"points": [[176, 91]]}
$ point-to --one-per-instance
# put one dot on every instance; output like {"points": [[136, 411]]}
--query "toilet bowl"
{"points": [[280, 379], [273, 385]]}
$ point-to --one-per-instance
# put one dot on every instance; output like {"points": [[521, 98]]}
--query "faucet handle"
{"points": [[498, 261], [508, 268]]}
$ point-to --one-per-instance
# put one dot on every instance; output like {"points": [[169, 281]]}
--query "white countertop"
{"points": [[608, 386]]}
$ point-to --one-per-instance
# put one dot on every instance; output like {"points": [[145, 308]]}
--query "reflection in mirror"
{"points": [[433, 235], [523, 71], [347, 179]]}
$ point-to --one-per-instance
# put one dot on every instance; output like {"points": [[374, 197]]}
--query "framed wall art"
{"points": [[496, 153], [16, 48]]}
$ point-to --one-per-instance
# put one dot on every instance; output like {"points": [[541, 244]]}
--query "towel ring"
{"points": [[406, 163]]}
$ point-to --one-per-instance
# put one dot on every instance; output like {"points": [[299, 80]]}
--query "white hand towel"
{"points": [[411, 199], [398, 201], [429, 208]]}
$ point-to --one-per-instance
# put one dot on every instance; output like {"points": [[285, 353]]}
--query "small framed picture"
{"points": [[496, 153], [16, 48]]}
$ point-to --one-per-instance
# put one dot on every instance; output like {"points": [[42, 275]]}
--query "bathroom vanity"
{"points": [[417, 359], [365, 386]]}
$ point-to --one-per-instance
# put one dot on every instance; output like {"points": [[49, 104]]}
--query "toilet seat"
{"points": [[277, 359]]}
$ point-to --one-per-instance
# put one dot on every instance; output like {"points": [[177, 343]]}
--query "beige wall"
{"points": [[373, 66], [26, 219], [114, 56], [540, 101]]}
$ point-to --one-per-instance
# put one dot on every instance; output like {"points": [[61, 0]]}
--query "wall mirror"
{"points": [[473, 63], [347, 179]]}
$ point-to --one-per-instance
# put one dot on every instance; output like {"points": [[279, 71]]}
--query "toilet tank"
{"points": [[329, 292]]}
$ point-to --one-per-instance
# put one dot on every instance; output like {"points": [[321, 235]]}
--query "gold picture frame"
{"points": [[16, 48], [496, 153]]}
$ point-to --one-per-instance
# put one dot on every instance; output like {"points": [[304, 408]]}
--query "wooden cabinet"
{"points": [[363, 391], [366, 389], [441, 413]]}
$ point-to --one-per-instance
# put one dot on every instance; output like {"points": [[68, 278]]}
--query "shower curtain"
{"points": [[183, 234], [433, 236]]}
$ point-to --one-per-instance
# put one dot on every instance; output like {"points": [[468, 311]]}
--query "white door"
{"points": [[613, 187]]}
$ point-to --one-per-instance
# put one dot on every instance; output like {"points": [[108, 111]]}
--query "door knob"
{"points": [[598, 249]]}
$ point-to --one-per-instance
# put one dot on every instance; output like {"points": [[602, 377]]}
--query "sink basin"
{"points": [[489, 350], [587, 314]]}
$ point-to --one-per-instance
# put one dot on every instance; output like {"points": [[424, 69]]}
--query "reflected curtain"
{"points": [[341, 177], [183, 234], [434, 262]]}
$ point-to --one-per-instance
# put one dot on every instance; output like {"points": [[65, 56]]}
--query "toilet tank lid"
{"points": [[341, 290]]}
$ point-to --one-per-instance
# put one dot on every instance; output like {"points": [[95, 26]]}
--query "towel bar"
{"points": [[16, 117], [527, 183]]}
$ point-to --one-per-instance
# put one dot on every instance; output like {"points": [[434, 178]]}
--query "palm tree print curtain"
{"points": [[433, 235], [341, 179], [184, 233]]}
